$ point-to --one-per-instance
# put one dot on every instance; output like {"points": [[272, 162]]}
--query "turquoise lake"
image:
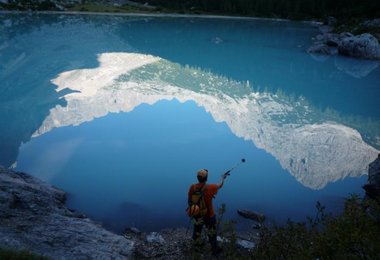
{"points": [[122, 111]]}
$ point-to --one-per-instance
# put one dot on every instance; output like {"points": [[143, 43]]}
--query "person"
{"points": [[209, 220]]}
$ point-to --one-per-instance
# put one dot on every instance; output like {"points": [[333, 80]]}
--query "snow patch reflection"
{"points": [[315, 152]]}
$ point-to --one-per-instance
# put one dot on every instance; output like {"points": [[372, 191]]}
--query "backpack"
{"points": [[197, 205]]}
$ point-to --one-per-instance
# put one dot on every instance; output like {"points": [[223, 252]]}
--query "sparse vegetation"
{"points": [[353, 234], [227, 230]]}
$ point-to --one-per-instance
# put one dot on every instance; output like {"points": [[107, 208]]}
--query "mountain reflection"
{"points": [[314, 149]]}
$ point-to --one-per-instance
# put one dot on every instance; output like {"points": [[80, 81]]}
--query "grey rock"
{"points": [[314, 23], [240, 242], [363, 46], [222, 240], [320, 37], [249, 214], [155, 237], [177, 244], [345, 35], [245, 244], [326, 44], [33, 216], [325, 28], [256, 226], [332, 38]]}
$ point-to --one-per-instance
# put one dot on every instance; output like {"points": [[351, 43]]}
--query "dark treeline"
{"points": [[293, 9]]}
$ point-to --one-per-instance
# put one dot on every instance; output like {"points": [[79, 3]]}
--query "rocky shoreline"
{"points": [[362, 46], [34, 217]]}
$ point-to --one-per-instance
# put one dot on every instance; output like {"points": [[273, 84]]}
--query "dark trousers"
{"points": [[210, 224]]}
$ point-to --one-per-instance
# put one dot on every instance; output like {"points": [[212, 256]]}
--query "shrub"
{"points": [[11, 254], [354, 234]]}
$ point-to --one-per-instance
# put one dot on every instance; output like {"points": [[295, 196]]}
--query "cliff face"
{"points": [[372, 187], [33, 216]]}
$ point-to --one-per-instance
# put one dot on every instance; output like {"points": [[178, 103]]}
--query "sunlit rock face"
{"points": [[312, 149]]}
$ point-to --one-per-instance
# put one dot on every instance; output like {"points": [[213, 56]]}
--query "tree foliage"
{"points": [[29, 5], [279, 8]]}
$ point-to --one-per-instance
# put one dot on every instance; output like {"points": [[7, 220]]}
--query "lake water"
{"points": [[121, 112]]}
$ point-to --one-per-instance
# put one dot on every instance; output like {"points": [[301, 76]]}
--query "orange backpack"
{"points": [[197, 205]]}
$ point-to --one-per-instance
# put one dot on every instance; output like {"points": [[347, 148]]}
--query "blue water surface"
{"points": [[242, 89]]}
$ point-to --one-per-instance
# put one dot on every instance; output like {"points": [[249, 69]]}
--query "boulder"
{"points": [[251, 215], [326, 44], [246, 244], [155, 237], [362, 46]]}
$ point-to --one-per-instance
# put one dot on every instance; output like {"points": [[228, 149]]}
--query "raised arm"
{"points": [[220, 184]]}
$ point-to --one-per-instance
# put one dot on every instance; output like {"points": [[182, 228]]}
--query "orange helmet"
{"points": [[193, 210]]}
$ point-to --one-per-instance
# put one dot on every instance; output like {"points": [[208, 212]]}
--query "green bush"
{"points": [[354, 234]]}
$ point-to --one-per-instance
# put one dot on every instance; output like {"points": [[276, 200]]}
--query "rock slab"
{"points": [[33, 217], [362, 46]]}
